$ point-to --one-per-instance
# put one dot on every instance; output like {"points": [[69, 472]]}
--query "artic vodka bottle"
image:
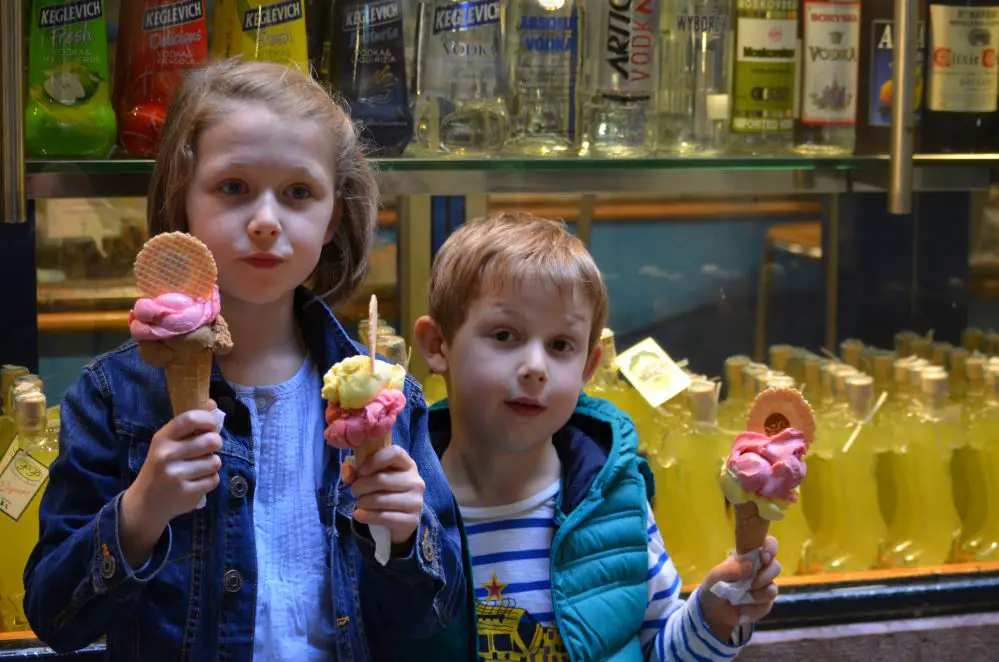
{"points": [[830, 57], [461, 110], [763, 85], [622, 57], [696, 76], [544, 51]]}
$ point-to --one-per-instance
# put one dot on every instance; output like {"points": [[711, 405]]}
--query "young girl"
{"points": [[260, 164]]}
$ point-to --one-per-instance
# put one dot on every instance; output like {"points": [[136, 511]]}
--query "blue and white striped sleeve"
{"points": [[674, 630]]}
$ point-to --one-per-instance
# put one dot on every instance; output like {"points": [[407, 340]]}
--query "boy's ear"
{"points": [[592, 363], [335, 221], [430, 341]]}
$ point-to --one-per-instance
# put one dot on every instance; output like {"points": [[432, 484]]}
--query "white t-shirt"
{"points": [[510, 547]]}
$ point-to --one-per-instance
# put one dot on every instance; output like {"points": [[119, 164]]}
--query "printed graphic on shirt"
{"points": [[509, 632]]}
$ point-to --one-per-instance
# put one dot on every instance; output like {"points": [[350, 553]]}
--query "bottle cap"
{"points": [[971, 339], [30, 409], [903, 342], [779, 356], [850, 350], [394, 349], [734, 366], [940, 353], [703, 401], [860, 393]]}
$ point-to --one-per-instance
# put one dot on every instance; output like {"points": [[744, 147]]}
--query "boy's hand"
{"points": [[389, 491], [721, 616], [181, 467]]}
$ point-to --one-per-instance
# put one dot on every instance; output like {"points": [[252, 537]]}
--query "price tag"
{"points": [[652, 372]]}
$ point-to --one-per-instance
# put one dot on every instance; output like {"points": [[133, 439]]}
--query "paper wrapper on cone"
{"points": [[380, 535]]}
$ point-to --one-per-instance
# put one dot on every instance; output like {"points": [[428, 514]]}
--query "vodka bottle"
{"points": [[696, 65], [543, 43], [462, 110], [622, 55], [764, 76], [830, 57]]}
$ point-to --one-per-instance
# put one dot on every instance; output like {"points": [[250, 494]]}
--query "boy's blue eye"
{"points": [[299, 192], [562, 346], [233, 187]]}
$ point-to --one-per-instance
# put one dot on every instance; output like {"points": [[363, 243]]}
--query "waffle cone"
{"points": [[362, 453], [188, 377], [750, 529]]}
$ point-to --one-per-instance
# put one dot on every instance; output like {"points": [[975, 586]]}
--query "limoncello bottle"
{"points": [[732, 411], [698, 533], [925, 526], [24, 471], [850, 352]]}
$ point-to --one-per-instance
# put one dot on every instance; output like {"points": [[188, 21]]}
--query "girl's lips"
{"points": [[525, 408], [262, 261]]}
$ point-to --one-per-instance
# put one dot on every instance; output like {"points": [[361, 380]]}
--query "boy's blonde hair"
{"points": [[207, 95], [511, 247]]}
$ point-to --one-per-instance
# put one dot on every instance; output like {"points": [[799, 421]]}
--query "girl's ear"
{"points": [[335, 220]]}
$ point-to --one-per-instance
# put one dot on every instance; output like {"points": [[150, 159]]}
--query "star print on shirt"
{"points": [[495, 589]]}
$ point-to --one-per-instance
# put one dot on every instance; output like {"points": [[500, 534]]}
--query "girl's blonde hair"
{"points": [[208, 94]]}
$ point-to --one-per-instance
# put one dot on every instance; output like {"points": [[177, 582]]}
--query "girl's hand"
{"points": [[389, 491], [181, 467], [721, 616]]}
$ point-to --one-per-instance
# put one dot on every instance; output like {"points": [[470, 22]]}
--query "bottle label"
{"points": [[883, 49], [963, 73], [764, 75], [69, 61], [274, 31], [371, 71], [175, 36], [626, 51], [545, 71], [463, 56], [20, 480], [831, 57]]}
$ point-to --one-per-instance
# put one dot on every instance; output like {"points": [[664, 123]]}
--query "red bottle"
{"points": [[157, 41]]}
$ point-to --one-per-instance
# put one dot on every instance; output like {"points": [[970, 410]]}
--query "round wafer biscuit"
{"points": [[776, 409], [175, 262]]}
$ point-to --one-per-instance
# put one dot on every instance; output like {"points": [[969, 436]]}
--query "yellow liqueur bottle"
{"points": [[850, 351], [903, 343], [698, 533], [940, 354], [24, 472], [976, 468], [925, 526], [792, 532], [847, 533], [731, 412], [971, 339]]}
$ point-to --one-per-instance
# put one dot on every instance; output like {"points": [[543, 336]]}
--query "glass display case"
{"points": [[817, 264]]}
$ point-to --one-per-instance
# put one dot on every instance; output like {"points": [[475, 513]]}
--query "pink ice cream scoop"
{"points": [[770, 467], [172, 314], [353, 428]]}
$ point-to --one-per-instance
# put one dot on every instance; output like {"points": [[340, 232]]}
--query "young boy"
{"points": [[566, 560]]}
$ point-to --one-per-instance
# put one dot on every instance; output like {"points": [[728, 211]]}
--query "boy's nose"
{"points": [[533, 369]]}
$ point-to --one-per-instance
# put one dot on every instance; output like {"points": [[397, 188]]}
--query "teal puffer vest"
{"points": [[599, 560]]}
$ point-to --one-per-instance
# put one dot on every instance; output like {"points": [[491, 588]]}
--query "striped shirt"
{"points": [[510, 548]]}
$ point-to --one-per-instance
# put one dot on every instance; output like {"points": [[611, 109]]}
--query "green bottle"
{"points": [[69, 111]]}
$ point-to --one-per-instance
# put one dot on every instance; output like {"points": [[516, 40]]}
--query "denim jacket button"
{"points": [[428, 550], [108, 566], [238, 487], [232, 581]]}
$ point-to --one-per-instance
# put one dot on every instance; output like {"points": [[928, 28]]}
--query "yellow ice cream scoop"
{"points": [[351, 384]]}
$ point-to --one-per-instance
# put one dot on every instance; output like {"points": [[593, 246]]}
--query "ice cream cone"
{"points": [[362, 453], [750, 529], [188, 376]]}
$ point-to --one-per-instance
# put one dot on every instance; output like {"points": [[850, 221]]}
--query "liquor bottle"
{"points": [[543, 42], [687, 495], [368, 67], [23, 476], [461, 110], [696, 70], [732, 410], [766, 36], [158, 40], [272, 30], [830, 56], [875, 91], [980, 542], [963, 83], [622, 57], [68, 111], [850, 351]]}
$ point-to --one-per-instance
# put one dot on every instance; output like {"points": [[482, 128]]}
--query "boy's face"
{"points": [[517, 365]]}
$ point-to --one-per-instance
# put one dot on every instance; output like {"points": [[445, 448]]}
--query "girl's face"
{"points": [[262, 198]]}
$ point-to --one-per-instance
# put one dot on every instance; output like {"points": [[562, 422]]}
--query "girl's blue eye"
{"points": [[503, 336], [233, 187], [562, 346], [299, 192]]}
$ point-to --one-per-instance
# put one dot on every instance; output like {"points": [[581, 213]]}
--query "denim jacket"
{"points": [[194, 599]]}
